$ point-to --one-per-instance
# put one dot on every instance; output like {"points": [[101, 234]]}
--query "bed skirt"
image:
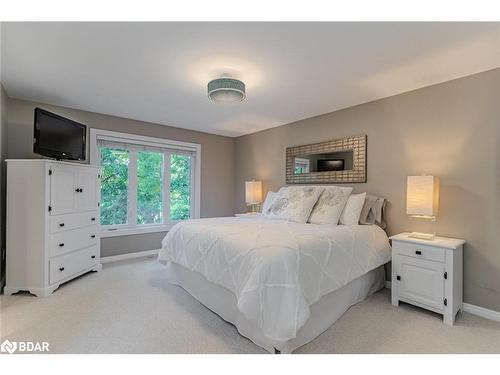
{"points": [[323, 313]]}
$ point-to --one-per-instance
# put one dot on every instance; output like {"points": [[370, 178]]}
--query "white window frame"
{"points": [[131, 227]]}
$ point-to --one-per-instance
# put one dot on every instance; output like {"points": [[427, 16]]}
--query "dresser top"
{"points": [[52, 161], [446, 242]]}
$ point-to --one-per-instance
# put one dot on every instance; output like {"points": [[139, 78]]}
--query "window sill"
{"points": [[105, 233]]}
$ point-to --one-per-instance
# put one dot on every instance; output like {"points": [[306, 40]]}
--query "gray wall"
{"points": [[3, 167], [451, 130], [217, 161]]}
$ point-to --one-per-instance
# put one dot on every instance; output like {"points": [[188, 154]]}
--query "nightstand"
{"points": [[428, 274]]}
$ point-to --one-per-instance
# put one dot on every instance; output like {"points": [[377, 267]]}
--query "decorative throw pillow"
{"points": [[294, 203], [268, 202], [352, 209], [330, 205]]}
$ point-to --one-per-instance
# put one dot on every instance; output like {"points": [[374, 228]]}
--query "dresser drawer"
{"points": [[419, 251], [61, 223], [70, 264], [71, 240]]}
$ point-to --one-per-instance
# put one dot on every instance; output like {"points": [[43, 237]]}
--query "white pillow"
{"points": [[330, 205], [294, 203], [271, 195], [352, 210]]}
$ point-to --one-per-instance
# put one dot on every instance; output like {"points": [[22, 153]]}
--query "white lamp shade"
{"points": [[253, 192], [422, 196]]}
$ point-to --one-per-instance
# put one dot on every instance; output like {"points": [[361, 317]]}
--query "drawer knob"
{"points": [[61, 269], [92, 236], [418, 252], [93, 219], [61, 244], [61, 225], [398, 278], [92, 256]]}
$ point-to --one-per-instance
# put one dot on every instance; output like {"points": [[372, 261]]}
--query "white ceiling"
{"points": [[158, 71]]}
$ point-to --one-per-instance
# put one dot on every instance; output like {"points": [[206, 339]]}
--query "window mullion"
{"points": [[166, 186], [132, 189]]}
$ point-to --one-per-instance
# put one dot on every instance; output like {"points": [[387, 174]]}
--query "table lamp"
{"points": [[422, 201], [253, 194]]}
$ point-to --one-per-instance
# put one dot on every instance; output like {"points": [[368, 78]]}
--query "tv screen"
{"points": [[58, 137], [330, 165]]}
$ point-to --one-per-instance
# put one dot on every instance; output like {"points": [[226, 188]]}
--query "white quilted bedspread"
{"points": [[276, 269]]}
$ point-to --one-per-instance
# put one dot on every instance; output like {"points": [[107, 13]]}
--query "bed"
{"points": [[280, 283]]}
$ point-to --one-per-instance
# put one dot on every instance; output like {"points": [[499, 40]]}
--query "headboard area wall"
{"points": [[450, 130]]}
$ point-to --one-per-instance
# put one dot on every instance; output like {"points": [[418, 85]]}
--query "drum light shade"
{"points": [[253, 192], [422, 196], [226, 90]]}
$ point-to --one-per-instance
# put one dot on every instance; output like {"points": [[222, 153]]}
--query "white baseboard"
{"points": [[482, 312], [139, 254], [472, 309]]}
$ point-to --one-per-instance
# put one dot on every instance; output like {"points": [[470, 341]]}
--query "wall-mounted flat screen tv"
{"points": [[58, 137]]}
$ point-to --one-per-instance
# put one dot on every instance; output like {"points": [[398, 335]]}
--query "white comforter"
{"points": [[276, 269]]}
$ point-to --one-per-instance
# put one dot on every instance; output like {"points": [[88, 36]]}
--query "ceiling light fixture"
{"points": [[226, 89]]}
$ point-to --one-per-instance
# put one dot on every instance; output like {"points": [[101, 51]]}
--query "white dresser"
{"points": [[428, 274], [52, 224]]}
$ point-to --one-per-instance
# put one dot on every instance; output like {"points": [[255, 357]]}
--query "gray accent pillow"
{"points": [[373, 211]]}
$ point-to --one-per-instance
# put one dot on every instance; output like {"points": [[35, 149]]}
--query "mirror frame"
{"points": [[356, 144]]}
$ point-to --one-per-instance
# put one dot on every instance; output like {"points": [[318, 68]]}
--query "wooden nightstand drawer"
{"points": [[419, 251]]}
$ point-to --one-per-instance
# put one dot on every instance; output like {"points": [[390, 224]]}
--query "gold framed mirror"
{"points": [[337, 161]]}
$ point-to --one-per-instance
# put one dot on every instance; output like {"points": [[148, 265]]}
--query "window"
{"points": [[147, 184], [180, 199], [301, 166], [114, 186], [150, 187]]}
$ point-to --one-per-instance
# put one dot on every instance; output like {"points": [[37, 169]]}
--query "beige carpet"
{"points": [[130, 308]]}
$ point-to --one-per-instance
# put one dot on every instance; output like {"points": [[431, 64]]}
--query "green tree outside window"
{"points": [[149, 187], [115, 164], [114, 186], [180, 187]]}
